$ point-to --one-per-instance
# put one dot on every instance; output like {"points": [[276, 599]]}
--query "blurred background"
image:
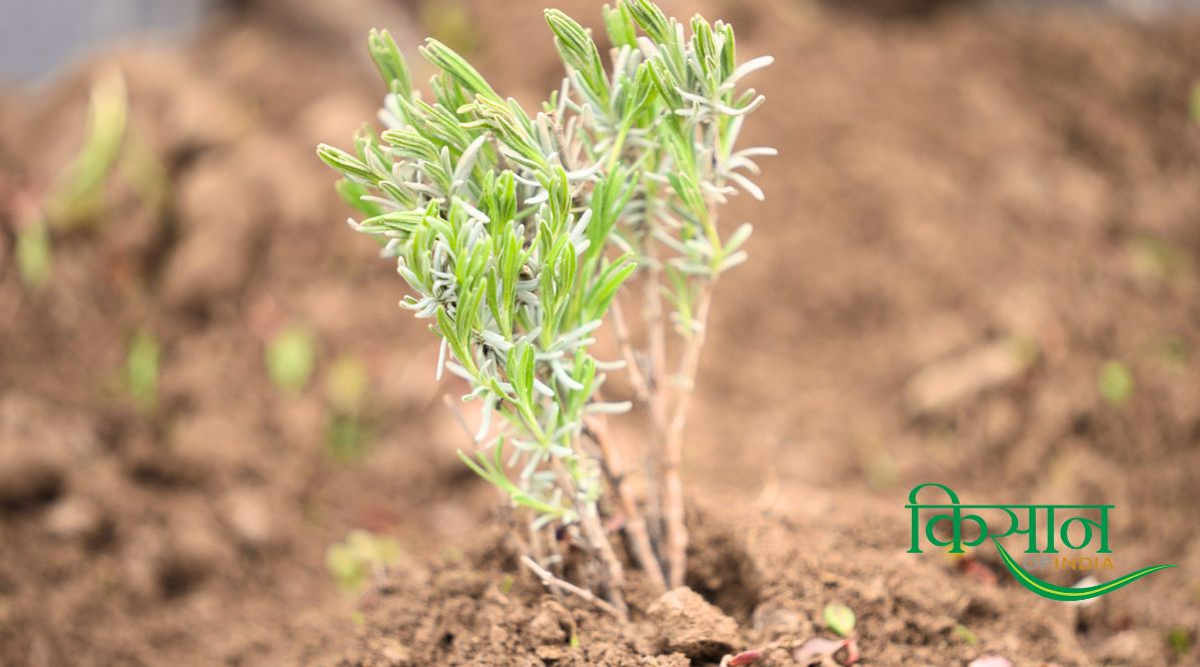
{"points": [[977, 263]]}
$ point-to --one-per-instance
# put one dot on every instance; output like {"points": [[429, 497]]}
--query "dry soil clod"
{"points": [[686, 623]]}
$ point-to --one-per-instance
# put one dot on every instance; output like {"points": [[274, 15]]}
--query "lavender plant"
{"points": [[515, 234]]}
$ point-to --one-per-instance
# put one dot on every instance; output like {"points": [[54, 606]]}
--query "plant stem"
{"points": [[635, 523], [554, 582], [677, 538], [655, 372], [637, 378], [589, 520]]}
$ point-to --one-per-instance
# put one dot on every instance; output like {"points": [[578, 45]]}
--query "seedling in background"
{"points": [[291, 356], [965, 635], [1115, 382], [141, 369], [516, 234], [78, 192], [33, 254], [346, 385], [78, 196], [1195, 103], [361, 557], [1180, 640], [345, 388], [839, 618]]}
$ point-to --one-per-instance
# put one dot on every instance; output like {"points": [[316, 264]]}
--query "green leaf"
{"points": [[610, 279], [402, 222], [391, 64], [579, 52], [728, 55], [618, 22], [352, 192], [737, 238], [520, 369], [652, 20], [344, 162], [839, 618], [457, 67], [449, 331]]}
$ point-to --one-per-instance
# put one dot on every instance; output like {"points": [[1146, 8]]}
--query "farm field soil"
{"points": [[948, 188]]}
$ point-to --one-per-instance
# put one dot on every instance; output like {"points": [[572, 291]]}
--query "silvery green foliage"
{"points": [[505, 226]]}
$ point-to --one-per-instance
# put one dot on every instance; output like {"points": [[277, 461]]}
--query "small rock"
{"points": [[990, 661], [951, 381], [248, 515], [1131, 647], [497, 635], [686, 623], [545, 628], [552, 652], [75, 519], [394, 651]]}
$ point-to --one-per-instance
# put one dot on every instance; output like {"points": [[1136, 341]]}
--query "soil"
{"points": [[951, 185]]}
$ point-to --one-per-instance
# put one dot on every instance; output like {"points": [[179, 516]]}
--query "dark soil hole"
{"points": [[178, 576], [722, 572], [156, 474], [28, 488]]}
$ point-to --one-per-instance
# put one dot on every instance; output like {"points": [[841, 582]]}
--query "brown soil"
{"points": [[947, 185]]}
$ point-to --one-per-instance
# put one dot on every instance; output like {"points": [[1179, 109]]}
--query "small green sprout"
{"points": [[346, 384], [345, 388], [141, 369], [1195, 103], [346, 437], [291, 356], [1115, 382], [839, 618], [965, 635], [1180, 640], [34, 261], [363, 555], [79, 192]]}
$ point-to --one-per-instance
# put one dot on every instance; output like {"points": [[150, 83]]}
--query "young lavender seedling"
{"points": [[515, 234]]}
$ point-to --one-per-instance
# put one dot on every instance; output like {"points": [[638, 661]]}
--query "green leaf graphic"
{"points": [[1067, 593]]}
